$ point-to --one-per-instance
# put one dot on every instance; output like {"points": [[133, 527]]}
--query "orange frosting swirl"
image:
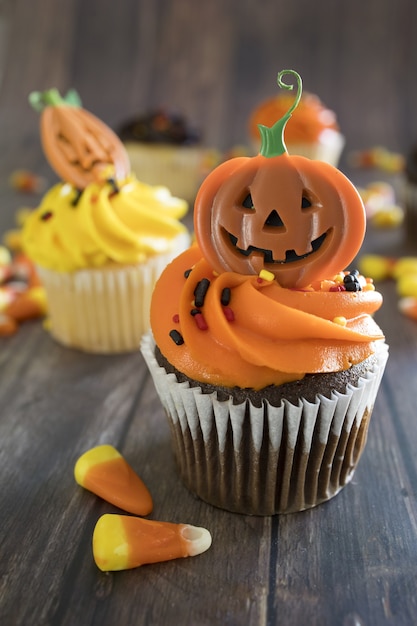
{"points": [[266, 334]]}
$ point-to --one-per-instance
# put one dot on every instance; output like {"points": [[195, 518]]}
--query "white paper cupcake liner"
{"points": [[270, 459], [103, 310]]}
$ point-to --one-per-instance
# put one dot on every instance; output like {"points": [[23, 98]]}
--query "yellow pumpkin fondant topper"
{"points": [[79, 147], [299, 219]]}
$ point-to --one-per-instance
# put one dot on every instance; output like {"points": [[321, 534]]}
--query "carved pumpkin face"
{"points": [[301, 220], [79, 147]]}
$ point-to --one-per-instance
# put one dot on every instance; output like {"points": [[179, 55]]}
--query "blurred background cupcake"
{"points": [[101, 238], [164, 149], [312, 130]]}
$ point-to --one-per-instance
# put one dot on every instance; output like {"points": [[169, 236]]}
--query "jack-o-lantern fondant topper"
{"points": [[302, 220], [79, 147]]}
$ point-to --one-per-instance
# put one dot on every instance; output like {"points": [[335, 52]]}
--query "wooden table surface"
{"points": [[349, 562]]}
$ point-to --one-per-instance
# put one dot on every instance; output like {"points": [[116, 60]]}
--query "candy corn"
{"points": [[8, 326], [27, 182], [408, 306], [28, 305], [123, 542], [106, 473]]}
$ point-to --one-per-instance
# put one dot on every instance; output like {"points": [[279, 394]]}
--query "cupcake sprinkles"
{"points": [[351, 281]]}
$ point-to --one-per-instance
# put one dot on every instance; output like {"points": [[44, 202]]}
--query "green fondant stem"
{"points": [[39, 100], [272, 139]]}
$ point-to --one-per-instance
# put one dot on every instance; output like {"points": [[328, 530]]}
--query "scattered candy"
{"points": [[21, 295], [8, 326], [377, 266], [407, 285], [389, 217], [5, 256], [379, 158], [403, 271], [27, 182], [408, 306], [103, 471], [406, 265], [27, 305], [122, 542], [380, 205]]}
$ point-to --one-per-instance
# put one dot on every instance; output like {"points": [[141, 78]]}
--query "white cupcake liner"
{"points": [[270, 459], [103, 310]]}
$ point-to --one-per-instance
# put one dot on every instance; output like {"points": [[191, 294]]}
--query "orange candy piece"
{"points": [[408, 306], [8, 326], [103, 471], [122, 542], [29, 304]]}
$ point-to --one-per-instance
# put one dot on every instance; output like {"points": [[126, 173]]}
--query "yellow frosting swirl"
{"points": [[69, 231]]}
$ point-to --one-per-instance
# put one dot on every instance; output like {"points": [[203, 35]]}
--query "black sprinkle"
{"points": [[200, 291], [195, 311], [225, 297], [76, 199], [353, 286], [187, 273], [351, 282], [46, 215], [176, 337], [115, 188]]}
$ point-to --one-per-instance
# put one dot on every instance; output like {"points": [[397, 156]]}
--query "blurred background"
{"points": [[211, 60]]}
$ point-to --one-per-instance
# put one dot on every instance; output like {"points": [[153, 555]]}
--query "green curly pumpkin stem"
{"points": [[272, 139], [39, 100]]}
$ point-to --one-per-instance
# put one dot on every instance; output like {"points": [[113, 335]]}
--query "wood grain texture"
{"points": [[348, 562]]}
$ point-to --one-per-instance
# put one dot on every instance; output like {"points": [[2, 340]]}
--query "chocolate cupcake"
{"points": [[163, 149], [264, 350]]}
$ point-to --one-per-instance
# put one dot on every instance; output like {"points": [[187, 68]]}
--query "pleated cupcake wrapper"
{"points": [[266, 460], [102, 310]]}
